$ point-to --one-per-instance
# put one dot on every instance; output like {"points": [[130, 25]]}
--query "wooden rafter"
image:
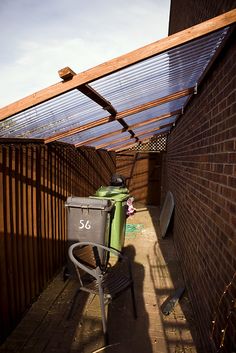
{"points": [[124, 114], [67, 74], [133, 126], [104, 145], [116, 149], [100, 137], [137, 135], [144, 132], [121, 62], [123, 146]]}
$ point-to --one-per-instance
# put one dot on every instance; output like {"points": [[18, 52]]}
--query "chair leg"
{"points": [[106, 338], [133, 301], [103, 312]]}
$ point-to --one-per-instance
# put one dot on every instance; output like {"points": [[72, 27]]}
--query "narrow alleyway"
{"points": [[62, 322]]}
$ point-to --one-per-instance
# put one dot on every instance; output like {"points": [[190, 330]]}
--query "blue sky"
{"points": [[38, 38]]}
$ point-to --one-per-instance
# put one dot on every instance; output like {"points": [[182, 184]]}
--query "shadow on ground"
{"points": [[167, 278], [127, 333]]}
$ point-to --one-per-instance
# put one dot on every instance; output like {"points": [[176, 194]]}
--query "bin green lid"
{"points": [[120, 197], [114, 198], [111, 191]]}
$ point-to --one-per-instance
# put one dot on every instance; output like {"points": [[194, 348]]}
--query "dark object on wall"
{"points": [[118, 180], [169, 304], [166, 213]]}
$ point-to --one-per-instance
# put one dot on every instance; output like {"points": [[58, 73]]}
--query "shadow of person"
{"points": [[127, 334]]}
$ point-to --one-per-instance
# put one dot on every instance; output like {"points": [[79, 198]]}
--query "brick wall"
{"points": [[187, 13], [201, 173]]}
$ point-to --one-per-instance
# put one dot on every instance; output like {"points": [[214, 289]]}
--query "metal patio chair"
{"points": [[102, 274]]}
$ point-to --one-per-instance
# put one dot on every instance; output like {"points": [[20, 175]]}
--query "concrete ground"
{"points": [[65, 321]]}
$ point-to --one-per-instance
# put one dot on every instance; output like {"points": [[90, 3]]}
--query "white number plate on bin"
{"points": [[84, 224]]}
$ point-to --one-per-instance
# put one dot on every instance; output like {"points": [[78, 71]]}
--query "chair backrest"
{"points": [[90, 258]]}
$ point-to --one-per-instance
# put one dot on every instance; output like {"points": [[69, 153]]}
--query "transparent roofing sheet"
{"points": [[156, 111], [174, 70], [56, 115], [111, 139], [121, 144], [171, 71], [154, 125], [92, 133], [157, 132]]}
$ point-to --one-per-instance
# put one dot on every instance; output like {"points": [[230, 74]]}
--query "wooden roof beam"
{"points": [[115, 149], [67, 74], [153, 129], [137, 135], [104, 145], [121, 62], [134, 126], [126, 126], [125, 113], [132, 143]]}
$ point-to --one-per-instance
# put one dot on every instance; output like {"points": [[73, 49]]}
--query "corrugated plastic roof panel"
{"points": [[54, 116], [154, 125], [92, 133], [159, 76], [158, 111], [118, 145], [111, 139], [150, 134]]}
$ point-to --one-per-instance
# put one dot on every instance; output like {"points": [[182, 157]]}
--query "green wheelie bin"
{"points": [[119, 196]]}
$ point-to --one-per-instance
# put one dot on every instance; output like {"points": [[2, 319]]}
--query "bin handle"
{"points": [[85, 206]]}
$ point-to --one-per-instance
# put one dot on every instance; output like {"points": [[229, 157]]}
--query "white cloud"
{"points": [[80, 36]]}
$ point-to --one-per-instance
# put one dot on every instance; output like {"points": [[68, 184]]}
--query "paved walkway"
{"points": [[62, 322]]}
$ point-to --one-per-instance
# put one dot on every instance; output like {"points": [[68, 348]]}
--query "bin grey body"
{"points": [[88, 220]]}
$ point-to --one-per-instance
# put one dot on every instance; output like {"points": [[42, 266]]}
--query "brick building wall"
{"points": [[187, 13], [200, 169]]}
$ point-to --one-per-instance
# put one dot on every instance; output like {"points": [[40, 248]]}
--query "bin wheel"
{"points": [[65, 274]]}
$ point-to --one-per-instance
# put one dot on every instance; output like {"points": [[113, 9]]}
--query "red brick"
{"points": [[232, 182]]}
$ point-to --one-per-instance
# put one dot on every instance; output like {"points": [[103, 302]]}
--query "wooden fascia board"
{"points": [[121, 115], [121, 62], [133, 126]]}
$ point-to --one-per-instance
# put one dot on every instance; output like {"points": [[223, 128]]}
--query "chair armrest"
{"points": [[77, 263], [112, 250], [93, 272]]}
